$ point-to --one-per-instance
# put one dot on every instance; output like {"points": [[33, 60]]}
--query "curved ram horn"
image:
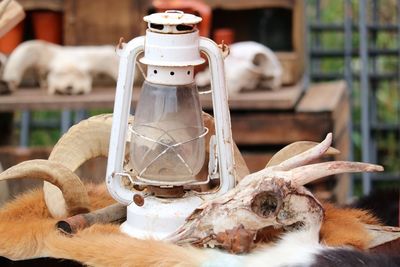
{"points": [[73, 190], [86, 140], [306, 174], [307, 156]]}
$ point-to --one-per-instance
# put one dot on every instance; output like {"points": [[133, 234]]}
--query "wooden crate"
{"points": [[103, 21], [287, 21], [323, 108]]}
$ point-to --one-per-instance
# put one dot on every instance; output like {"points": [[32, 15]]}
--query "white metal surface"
{"points": [[158, 218], [222, 116], [170, 75], [172, 17], [172, 49], [119, 128]]}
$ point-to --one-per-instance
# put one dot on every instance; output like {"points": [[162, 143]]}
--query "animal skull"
{"points": [[250, 65], [273, 197], [68, 70]]}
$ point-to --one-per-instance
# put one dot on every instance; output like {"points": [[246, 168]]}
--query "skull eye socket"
{"points": [[265, 204]]}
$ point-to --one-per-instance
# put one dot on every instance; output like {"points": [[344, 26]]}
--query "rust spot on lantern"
{"points": [[138, 200]]}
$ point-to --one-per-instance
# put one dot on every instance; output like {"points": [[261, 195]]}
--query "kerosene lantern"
{"points": [[164, 148]]}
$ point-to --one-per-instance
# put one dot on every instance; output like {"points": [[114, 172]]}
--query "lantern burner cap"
{"points": [[172, 21]]}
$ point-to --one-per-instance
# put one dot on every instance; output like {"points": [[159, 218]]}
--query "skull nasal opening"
{"points": [[265, 204]]}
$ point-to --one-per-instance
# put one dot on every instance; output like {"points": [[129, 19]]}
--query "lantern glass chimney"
{"points": [[167, 143]]}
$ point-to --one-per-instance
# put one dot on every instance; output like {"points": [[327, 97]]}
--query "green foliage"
{"points": [[385, 95]]}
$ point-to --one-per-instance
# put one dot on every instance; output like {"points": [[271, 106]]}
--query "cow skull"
{"points": [[250, 65], [273, 197]]}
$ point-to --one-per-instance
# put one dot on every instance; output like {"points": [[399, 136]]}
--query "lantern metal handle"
{"points": [[122, 104], [221, 114]]}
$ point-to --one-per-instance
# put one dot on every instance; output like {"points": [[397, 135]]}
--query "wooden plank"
{"points": [[331, 97], [283, 99], [54, 5], [103, 97], [292, 70], [299, 40], [249, 4], [256, 161], [322, 97], [279, 128], [35, 99], [341, 117]]}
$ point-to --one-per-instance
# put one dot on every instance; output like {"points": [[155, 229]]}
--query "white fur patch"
{"points": [[294, 249]]}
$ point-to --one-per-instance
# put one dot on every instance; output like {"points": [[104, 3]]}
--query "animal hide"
{"points": [[27, 225], [67, 69], [27, 231]]}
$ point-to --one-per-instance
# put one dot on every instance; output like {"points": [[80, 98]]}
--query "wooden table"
{"points": [[38, 99]]}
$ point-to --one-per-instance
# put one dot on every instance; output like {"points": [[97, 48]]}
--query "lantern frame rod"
{"points": [[221, 114], [127, 66]]}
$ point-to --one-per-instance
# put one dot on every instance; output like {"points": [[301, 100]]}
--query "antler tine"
{"points": [[306, 174], [307, 156]]}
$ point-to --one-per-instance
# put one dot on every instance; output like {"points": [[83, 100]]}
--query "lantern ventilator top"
{"points": [[172, 21], [172, 47]]}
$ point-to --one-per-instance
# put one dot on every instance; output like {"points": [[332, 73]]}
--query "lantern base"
{"points": [[158, 217]]}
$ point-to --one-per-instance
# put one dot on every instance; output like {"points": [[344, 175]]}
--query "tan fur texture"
{"points": [[27, 231]]}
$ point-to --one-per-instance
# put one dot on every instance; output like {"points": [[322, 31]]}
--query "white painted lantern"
{"points": [[165, 144]]}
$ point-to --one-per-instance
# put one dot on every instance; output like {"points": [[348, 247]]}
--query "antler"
{"points": [[273, 197]]}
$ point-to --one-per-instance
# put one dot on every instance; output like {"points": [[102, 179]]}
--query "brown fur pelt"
{"points": [[345, 226], [27, 231]]}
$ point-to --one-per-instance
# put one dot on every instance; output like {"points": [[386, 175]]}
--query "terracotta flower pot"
{"points": [[47, 26], [224, 34], [12, 39]]}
